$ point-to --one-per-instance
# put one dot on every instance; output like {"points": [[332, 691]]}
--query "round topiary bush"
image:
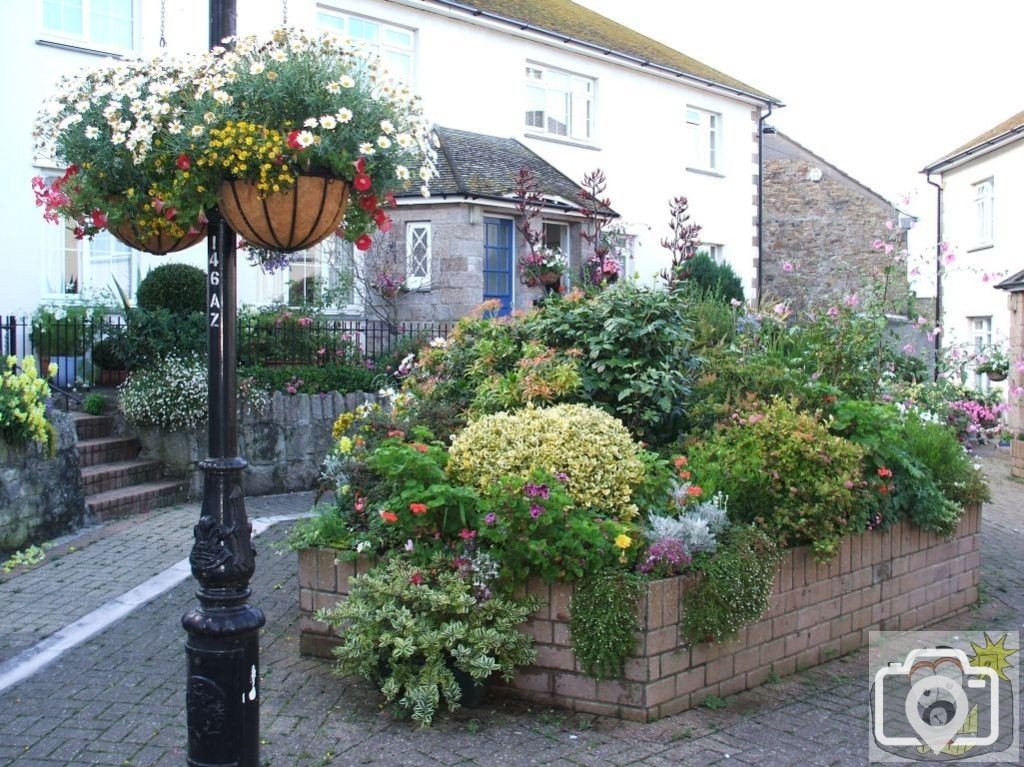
{"points": [[593, 449], [171, 394], [179, 288]]}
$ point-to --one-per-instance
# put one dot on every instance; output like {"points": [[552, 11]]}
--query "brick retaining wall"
{"points": [[880, 581]]}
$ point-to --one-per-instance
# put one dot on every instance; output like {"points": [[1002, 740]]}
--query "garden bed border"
{"points": [[896, 580]]}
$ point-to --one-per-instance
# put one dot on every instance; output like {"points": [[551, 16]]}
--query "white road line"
{"points": [[28, 662]]}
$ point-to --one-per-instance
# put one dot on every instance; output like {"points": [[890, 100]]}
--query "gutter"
{"points": [[957, 159], [593, 47], [938, 274], [761, 127]]}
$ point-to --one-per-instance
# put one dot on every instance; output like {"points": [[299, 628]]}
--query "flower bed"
{"points": [[899, 579]]}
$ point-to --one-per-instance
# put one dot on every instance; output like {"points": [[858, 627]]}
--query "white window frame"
{"points": [[705, 139], [86, 38], [274, 288], [984, 212], [387, 43], [980, 330], [715, 251], [416, 233], [577, 94]]}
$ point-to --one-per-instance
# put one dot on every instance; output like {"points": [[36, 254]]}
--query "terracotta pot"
{"points": [[295, 219], [160, 245]]}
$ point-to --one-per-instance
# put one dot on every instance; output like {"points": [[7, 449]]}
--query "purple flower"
{"points": [[536, 491], [562, 476], [536, 510], [490, 519]]}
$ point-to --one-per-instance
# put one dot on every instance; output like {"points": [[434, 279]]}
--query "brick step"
{"points": [[113, 476], [136, 499], [107, 450], [93, 426]]}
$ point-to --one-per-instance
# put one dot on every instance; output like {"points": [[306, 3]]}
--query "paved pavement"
{"points": [[116, 698]]}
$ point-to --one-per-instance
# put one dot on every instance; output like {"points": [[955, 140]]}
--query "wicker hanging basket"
{"points": [[159, 245], [295, 219]]}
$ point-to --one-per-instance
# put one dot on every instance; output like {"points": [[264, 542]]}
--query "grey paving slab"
{"points": [[118, 699]]}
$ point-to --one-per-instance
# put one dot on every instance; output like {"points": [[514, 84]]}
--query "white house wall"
{"points": [[966, 291], [471, 77]]}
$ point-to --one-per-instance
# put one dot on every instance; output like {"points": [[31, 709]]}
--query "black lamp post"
{"points": [[222, 647]]}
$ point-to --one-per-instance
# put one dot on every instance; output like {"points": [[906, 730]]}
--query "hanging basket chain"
{"points": [[284, 13], [163, 23]]}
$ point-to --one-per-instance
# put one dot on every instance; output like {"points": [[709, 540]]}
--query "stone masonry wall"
{"points": [[823, 228], [900, 579], [284, 443], [40, 497]]}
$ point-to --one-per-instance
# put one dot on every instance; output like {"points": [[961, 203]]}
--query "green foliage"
{"points": [[151, 335], [172, 394], [178, 288], [534, 529], [106, 353], [716, 280], [63, 331], [31, 555], [595, 452], [284, 336], [94, 403], [634, 346], [713, 320], [409, 628], [784, 471], [603, 621], [735, 585], [23, 398], [310, 379]]}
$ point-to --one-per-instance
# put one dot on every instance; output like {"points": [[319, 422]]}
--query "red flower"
{"points": [[467, 535], [362, 182], [368, 202], [418, 508], [360, 165], [419, 447], [694, 491], [396, 433], [416, 579], [99, 219], [183, 162], [293, 140], [389, 516], [389, 198], [884, 472], [680, 461], [363, 242]]}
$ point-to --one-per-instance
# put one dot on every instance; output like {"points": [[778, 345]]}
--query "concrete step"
{"points": [[99, 450], [113, 476], [136, 499], [92, 426]]}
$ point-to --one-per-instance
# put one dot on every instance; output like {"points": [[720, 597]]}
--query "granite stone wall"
{"points": [[40, 497], [284, 443]]}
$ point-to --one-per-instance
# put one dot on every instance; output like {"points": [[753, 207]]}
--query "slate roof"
{"points": [[1014, 283], [571, 22], [1013, 125], [475, 166]]}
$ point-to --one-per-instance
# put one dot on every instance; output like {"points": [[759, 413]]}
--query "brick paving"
{"points": [[118, 699]]}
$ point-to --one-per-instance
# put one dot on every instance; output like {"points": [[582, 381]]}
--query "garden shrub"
{"points": [[603, 622], [785, 472], [172, 394], [23, 397], [735, 585], [593, 449], [152, 334], [94, 403], [716, 280], [634, 346], [310, 379], [284, 336], [178, 288]]}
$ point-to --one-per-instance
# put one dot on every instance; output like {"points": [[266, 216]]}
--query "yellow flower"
{"points": [[345, 445], [623, 541]]}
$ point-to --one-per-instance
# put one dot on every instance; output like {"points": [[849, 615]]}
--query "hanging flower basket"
{"points": [[160, 245], [295, 219], [996, 375], [550, 279]]}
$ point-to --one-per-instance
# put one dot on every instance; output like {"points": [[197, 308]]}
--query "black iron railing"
{"points": [[87, 349]]}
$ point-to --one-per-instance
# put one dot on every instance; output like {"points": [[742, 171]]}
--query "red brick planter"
{"points": [[897, 580]]}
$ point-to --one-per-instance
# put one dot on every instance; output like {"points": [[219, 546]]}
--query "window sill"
{"points": [[983, 246], [706, 172], [65, 46], [561, 140]]}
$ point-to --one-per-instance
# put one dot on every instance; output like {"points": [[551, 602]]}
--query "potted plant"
{"points": [[291, 126], [993, 362], [61, 335], [426, 632], [111, 129], [543, 265]]}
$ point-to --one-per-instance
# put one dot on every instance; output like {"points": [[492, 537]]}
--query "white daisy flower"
{"points": [[383, 142], [197, 130], [333, 87], [257, 68], [344, 115], [346, 81], [387, 126], [366, 148], [402, 172], [311, 122], [328, 122], [91, 131], [279, 56], [305, 139], [174, 126]]}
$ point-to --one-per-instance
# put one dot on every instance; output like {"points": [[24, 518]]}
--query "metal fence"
{"points": [[80, 345]]}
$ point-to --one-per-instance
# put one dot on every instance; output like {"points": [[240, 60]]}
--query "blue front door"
{"points": [[498, 262]]}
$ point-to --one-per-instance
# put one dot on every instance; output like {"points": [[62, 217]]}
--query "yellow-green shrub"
{"points": [[23, 405], [592, 448]]}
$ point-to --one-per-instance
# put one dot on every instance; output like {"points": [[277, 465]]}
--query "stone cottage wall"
{"points": [[824, 228], [40, 497], [283, 443]]}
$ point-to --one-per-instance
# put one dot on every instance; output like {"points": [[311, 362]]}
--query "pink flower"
{"points": [[787, 266], [852, 300], [536, 510], [305, 321], [877, 244], [467, 535], [833, 311], [889, 225]]}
